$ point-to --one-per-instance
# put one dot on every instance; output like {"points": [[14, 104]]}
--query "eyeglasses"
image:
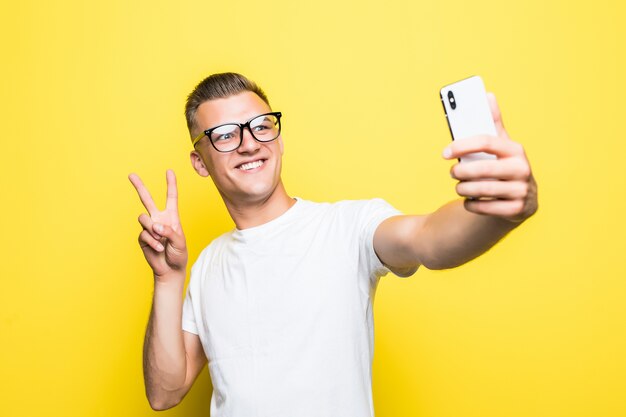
{"points": [[228, 137]]}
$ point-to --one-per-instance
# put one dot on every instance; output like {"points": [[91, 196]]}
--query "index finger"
{"points": [[172, 191], [144, 194]]}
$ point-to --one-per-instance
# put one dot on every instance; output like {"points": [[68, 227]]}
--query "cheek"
{"points": [[215, 166]]}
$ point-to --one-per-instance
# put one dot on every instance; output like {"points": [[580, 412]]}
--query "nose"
{"points": [[248, 143]]}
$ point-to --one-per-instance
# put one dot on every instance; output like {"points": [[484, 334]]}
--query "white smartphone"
{"points": [[467, 110]]}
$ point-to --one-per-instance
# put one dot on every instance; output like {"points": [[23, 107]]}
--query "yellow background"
{"points": [[92, 91]]}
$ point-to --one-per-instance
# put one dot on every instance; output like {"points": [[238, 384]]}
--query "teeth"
{"points": [[251, 165]]}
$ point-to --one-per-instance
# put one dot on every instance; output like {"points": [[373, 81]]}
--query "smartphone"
{"points": [[468, 113]]}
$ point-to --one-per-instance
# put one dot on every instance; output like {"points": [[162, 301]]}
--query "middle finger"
{"points": [[492, 189], [500, 169]]}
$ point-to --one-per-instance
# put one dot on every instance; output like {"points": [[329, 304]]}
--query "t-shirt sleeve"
{"points": [[189, 319], [372, 215]]}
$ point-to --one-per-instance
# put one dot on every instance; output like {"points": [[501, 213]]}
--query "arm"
{"points": [[172, 358], [464, 229]]}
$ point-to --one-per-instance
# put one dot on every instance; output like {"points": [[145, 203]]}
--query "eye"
{"points": [[224, 133], [262, 123], [225, 136]]}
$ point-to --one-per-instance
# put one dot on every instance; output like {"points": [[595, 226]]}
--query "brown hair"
{"points": [[218, 86]]}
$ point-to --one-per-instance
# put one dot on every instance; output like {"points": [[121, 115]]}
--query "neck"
{"points": [[251, 213]]}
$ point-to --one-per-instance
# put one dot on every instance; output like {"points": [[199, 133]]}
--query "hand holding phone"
{"points": [[468, 113], [499, 183]]}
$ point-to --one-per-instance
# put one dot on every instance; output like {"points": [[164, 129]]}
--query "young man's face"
{"points": [[228, 170]]}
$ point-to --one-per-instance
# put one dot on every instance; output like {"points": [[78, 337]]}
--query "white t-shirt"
{"points": [[284, 312]]}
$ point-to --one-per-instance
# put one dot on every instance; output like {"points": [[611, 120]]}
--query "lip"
{"points": [[263, 160]]}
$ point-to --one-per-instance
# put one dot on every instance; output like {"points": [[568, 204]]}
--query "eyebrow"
{"points": [[237, 123]]}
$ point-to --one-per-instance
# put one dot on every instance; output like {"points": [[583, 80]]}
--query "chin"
{"points": [[246, 188], [248, 193], [259, 193], [258, 189]]}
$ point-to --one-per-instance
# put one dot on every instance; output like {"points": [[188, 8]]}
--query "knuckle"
{"points": [[523, 189], [525, 171], [490, 188], [487, 143], [484, 169], [523, 168], [515, 208]]}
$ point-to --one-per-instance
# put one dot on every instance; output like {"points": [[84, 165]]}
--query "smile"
{"points": [[251, 165]]}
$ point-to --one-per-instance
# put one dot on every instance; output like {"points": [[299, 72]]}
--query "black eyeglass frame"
{"points": [[242, 127]]}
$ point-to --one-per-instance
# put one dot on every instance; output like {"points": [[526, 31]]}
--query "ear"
{"points": [[198, 164], [280, 143]]}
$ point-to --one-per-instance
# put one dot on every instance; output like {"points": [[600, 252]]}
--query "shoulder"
{"points": [[367, 208], [347, 205], [214, 245], [359, 214], [209, 252]]}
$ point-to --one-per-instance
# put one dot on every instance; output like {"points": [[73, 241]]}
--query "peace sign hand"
{"points": [[162, 239]]}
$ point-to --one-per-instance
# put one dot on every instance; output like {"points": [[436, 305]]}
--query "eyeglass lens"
{"points": [[228, 137]]}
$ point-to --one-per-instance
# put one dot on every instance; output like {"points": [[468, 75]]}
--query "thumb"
{"points": [[497, 115], [174, 236]]}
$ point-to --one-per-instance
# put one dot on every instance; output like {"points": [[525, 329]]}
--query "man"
{"points": [[282, 306]]}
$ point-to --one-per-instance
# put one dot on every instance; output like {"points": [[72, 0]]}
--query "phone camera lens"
{"points": [[451, 100]]}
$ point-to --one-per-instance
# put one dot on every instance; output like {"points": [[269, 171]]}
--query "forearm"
{"points": [[164, 350], [499, 194], [452, 235]]}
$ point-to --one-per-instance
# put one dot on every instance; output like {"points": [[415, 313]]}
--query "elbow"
{"points": [[433, 265], [439, 266], [157, 405], [161, 403], [163, 394], [429, 261], [441, 263], [437, 263]]}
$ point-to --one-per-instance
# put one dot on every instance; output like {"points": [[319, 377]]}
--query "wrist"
{"points": [[173, 280]]}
